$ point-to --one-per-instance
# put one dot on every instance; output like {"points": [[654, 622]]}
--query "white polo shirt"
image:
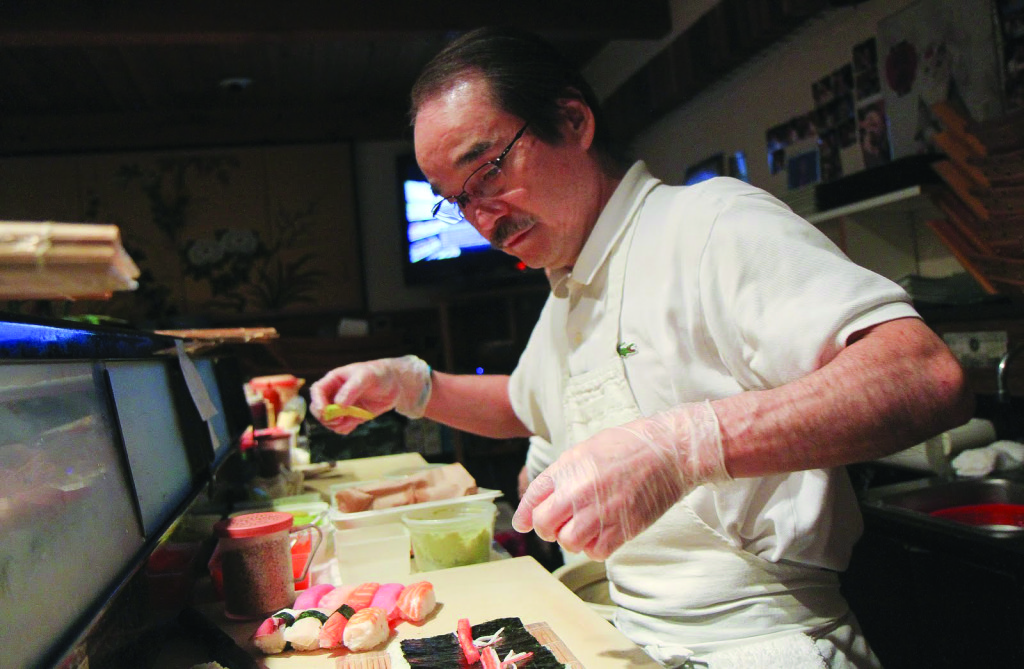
{"points": [[726, 290]]}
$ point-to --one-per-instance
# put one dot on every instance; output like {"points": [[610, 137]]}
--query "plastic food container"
{"points": [[451, 536], [253, 556], [375, 553], [348, 521]]}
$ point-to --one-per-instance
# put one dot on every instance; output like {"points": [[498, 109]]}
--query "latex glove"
{"points": [[609, 488], [402, 384]]}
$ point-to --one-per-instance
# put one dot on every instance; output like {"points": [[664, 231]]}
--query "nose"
{"points": [[483, 213]]}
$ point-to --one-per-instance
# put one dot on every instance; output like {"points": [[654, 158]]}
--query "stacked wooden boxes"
{"points": [[49, 261], [983, 197]]}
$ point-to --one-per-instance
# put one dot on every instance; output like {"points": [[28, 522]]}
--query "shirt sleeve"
{"points": [[779, 298]]}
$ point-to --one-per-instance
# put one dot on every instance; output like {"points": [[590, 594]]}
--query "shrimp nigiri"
{"points": [[416, 601], [366, 629]]}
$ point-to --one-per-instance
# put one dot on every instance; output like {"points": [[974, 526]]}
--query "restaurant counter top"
{"points": [[518, 587]]}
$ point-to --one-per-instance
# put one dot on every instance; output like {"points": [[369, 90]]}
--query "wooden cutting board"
{"points": [[517, 587]]}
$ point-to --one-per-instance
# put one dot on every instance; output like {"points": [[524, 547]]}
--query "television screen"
{"points": [[446, 247]]}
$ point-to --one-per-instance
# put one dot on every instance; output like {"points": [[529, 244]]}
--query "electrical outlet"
{"points": [[977, 349]]}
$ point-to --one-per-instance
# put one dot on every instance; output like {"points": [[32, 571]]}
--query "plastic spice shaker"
{"points": [[255, 559]]}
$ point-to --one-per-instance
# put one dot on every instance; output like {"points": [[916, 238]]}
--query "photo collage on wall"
{"points": [[846, 101], [1011, 19], [872, 121]]}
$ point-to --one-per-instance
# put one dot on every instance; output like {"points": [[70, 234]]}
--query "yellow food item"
{"points": [[334, 411]]}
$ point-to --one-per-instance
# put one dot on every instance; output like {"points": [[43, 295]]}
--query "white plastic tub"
{"points": [[347, 521]]}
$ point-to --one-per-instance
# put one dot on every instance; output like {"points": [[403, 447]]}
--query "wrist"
{"points": [[412, 403]]}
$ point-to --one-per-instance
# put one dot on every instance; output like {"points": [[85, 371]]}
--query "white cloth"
{"points": [[677, 344], [998, 456]]}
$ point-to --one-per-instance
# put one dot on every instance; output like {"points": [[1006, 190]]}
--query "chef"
{"points": [[704, 366]]}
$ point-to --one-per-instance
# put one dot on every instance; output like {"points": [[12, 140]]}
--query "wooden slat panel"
{"points": [[199, 21]]}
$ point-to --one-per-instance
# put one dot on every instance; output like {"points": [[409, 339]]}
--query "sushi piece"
{"points": [[269, 636], [361, 597], [310, 597], [489, 658], [366, 629], [465, 635], [332, 633], [416, 601], [304, 633], [333, 600], [386, 598]]}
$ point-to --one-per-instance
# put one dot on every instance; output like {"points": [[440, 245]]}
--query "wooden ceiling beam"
{"points": [[121, 22], [132, 131]]}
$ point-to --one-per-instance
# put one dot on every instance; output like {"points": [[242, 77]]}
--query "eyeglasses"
{"points": [[486, 181]]}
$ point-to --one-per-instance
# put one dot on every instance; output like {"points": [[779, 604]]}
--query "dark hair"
{"points": [[527, 77]]}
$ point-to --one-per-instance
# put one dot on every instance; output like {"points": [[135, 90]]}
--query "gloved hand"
{"points": [[402, 384], [607, 489]]}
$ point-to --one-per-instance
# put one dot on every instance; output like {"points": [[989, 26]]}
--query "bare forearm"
{"points": [[477, 404], [894, 387]]}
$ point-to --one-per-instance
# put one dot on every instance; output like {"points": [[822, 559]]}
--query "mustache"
{"points": [[508, 227]]}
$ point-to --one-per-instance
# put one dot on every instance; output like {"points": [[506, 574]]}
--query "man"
{"points": [[704, 366]]}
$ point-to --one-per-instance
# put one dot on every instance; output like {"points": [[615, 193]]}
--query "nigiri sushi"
{"points": [[361, 597], [304, 633], [366, 629], [311, 596], [333, 600], [332, 633], [386, 598], [269, 636], [416, 601]]}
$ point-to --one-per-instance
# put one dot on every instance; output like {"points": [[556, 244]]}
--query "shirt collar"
{"points": [[606, 232]]}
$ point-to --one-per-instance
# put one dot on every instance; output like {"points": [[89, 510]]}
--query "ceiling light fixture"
{"points": [[235, 83]]}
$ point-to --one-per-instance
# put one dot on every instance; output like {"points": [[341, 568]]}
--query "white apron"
{"points": [[682, 565]]}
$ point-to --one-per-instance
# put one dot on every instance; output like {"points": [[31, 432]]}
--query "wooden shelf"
{"points": [[914, 200]]}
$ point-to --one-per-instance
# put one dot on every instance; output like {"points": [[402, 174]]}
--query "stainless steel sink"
{"points": [[922, 497]]}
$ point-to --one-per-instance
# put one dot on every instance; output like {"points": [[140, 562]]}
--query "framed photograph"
{"points": [[708, 168], [873, 125], [1011, 21], [803, 169], [865, 57]]}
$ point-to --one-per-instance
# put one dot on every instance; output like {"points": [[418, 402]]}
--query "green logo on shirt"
{"points": [[626, 350]]}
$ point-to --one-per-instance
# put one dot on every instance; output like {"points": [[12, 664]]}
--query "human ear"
{"points": [[578, 121]]}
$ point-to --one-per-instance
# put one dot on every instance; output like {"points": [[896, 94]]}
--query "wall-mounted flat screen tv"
{"points": [[446, 248]]}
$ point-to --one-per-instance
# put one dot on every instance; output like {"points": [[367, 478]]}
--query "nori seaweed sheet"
{"points": [[443, 651]]}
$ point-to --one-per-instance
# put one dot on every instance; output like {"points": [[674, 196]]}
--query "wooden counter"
{"points": [[518, 587]]}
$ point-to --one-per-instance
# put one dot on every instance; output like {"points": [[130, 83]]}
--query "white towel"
{"points": [[790, 651], [998, 456]]}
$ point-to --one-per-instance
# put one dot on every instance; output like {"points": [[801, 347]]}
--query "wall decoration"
{"points": [[216, 233], [829, 145], [865, 69], [874, 134], [803, 169], [708, 168], [931, 51], [1011, 23]]}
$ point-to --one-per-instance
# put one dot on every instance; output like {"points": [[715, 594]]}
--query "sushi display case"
{"points": [[106, 436]]}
